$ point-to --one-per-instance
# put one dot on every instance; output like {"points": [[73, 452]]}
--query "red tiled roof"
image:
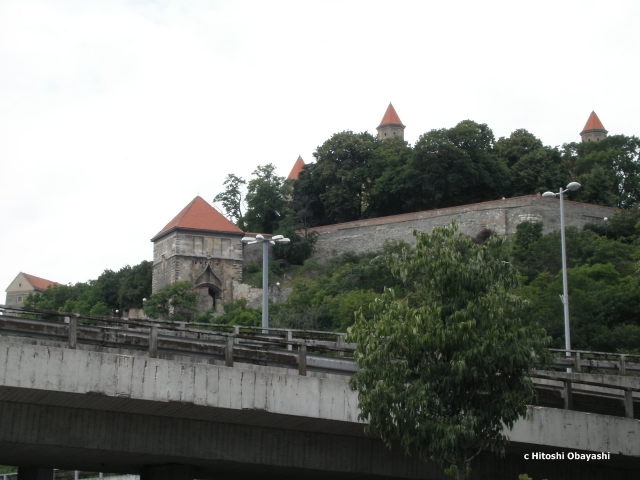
{"points": [[390, 117], [593, 123], [39, 283], [199, 215], [297, 168]]}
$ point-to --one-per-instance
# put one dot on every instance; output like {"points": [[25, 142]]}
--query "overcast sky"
{"points": [[115, 115]]}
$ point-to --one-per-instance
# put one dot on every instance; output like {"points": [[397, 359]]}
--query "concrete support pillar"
{"points": [[33, 473], [628, 403], [167, 472], [568, 396]]}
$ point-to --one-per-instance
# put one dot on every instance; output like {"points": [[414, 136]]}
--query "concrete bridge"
{"points": [[166, 401]]}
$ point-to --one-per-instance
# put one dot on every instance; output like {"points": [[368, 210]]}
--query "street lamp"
{"points": [[265, 271], [572, 187]]}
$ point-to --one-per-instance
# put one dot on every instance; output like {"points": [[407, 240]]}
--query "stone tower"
{"points": [[593, 131], [199, 245], [390, 126]]}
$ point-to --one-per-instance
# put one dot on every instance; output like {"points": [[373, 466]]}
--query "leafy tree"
{"points": [[266, 202], [598, 186], [337, 183], [235, 313], [603, 305], [298, 249], [527, 235], [135, 284], [456, 166], [389, 189], [111, 291], [444, 369], [231, 198], [537, 172], [518, 145], [177, 301], [619, 158]]}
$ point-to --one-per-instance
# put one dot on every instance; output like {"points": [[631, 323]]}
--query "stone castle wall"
{"points": [[184, 256], [501, 216]]}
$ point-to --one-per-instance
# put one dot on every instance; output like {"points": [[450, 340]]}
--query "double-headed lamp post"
{"points": [[265, 271], [572, 187]]}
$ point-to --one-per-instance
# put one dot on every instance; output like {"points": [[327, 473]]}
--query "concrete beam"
{"points": [[31, 473], [167, 472], [578, 430]]}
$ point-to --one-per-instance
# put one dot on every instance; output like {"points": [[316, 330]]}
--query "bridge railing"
{"points": [[301, 349], [597, 362], [615, 375]]}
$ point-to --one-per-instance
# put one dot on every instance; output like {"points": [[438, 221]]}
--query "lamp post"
{"points": [[572, 187], [265, 271]]}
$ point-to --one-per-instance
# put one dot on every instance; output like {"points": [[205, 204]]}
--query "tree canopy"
{"points": [[177, 301], [111, 291], [442, 370], [357, 176]]}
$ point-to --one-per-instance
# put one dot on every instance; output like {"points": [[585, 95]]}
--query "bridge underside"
{"points": [[120, 435]]}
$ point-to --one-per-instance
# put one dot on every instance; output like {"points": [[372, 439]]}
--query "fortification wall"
{"points": [[501, 216]]}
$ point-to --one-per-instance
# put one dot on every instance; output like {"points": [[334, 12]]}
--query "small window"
{"points": [[19, 284], [19, 299]]}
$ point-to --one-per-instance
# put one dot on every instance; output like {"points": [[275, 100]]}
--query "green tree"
{"points": [[337, 183], [537, 172], [389, 189], [456, 166], [298, 249], [619, 158], [231, 198], [135, 284], [266, 200], [443, 370], [177, 302], [518, 145]]}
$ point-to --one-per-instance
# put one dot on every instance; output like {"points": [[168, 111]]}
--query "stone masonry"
{"points": [[212, 261], [500, 216]]}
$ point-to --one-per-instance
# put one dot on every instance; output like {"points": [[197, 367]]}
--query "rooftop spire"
{"points": [[390, 117], [297, 168], [390, 126], [593, 129]]}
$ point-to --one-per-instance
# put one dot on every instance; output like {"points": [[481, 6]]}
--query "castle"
{"points": [[201, 246]]}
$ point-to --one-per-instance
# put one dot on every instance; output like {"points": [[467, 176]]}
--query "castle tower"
{"points": [[593, 131], [297, 168], [390, 126], [199, 245]]}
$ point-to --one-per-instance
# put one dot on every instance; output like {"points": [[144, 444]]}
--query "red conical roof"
{"points": [[390, 117], [297, 168], [593, 123], [199, 215]]}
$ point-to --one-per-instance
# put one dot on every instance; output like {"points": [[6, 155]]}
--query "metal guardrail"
{"points": [[301, 349]]}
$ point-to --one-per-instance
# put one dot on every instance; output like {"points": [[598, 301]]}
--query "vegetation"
{"points": [[604, 287], [357, 176], [177, 301], [443, 368], [111, 291], [603, 276]]}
